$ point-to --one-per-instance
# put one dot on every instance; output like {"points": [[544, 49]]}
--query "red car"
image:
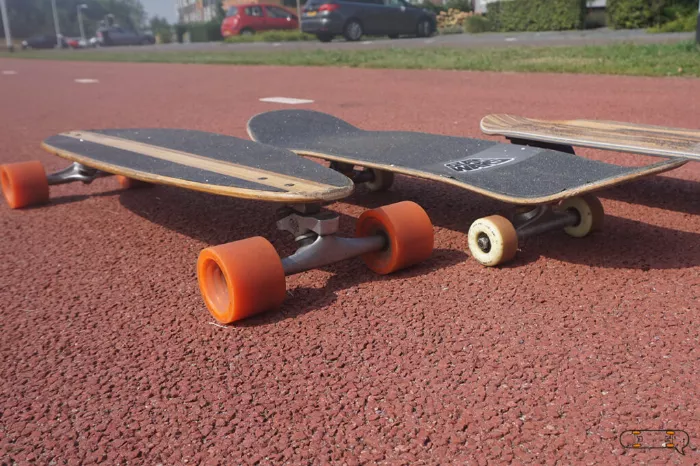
{"points": [[254, 17]]}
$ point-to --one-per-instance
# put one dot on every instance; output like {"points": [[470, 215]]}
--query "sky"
{"points": [[161, 8]]}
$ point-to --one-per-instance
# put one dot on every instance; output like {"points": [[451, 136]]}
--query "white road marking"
{"points": [[286, 100], [511, 39], [367, 42], [9, 72], [86, 81]]}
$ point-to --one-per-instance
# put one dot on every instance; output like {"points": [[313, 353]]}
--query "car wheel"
{"points": [[247, 32], [393, 36], [353, 30], [324, 37], [424, 28]]}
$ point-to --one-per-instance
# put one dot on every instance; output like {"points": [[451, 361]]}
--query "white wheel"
{"points": [[590, 212], [382, 180], [493, 240]]}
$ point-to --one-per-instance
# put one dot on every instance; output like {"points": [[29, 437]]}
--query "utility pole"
{"points": [[299, 14], [55, 23], [697, 28], [6, 26], [80, 20]]}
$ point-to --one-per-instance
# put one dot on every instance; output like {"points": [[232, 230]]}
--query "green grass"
{"points": [[680, 59]]}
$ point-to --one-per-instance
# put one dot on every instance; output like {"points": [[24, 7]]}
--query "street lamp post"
{"points": [[6, 26], [55, 23], [697, 28], [80, 20]]}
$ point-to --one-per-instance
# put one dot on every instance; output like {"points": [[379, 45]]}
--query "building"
{"points": [[194, 11], [481, 6]]}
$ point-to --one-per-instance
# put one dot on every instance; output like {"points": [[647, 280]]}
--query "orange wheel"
{"points": [[130, 183], [408, 230], [24, 184], [241, 279]]}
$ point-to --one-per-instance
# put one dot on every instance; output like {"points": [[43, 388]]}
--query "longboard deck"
{"points": [[202, 161], [508, 172], [650, 140]]}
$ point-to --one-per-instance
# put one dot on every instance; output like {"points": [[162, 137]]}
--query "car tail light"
{"points": [[328, 7]]}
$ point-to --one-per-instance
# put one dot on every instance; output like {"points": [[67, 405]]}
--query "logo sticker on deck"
{"points": [[470, 165]]}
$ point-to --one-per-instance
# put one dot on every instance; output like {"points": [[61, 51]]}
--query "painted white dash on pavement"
{"points": [[367, 42], [286, 100], [9, 72], [86, 81], [511, 39]]}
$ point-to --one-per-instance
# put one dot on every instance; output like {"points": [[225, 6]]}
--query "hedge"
{"points": [[629, 14], [199, 32], [634, 14], [537, 15]]}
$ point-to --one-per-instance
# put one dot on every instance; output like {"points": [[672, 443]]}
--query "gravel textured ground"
{"points": [[109, 355]]}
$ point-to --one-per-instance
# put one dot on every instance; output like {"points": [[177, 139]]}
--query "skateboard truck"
{"points": [[26, 183], [535, 221], [374, 179], [315, 232], [75, 172], [494, 240], [247, 277]]}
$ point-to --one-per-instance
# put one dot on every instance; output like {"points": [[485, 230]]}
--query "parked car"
{"points": [[355, 18], [43, 41], [255, 17], [76, 42], [117, 35]]}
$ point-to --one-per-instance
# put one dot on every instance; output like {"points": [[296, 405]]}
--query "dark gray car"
{"points": [[355, 18], [116, 35]]}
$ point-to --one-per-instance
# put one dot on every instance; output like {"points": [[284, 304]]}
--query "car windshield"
{"points": [[233, 11]]}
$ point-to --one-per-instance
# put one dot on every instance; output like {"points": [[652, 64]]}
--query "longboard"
{"points": [[246, 277], [532, 178], [650, 140], [201, 161]]}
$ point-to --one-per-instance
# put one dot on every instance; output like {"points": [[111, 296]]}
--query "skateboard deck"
{"points": [[598, 134], [511, 173], [245, 277], [202, 161], [551, 187]]}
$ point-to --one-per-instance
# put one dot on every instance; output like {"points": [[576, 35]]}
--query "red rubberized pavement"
{"points": [[109, 354]]}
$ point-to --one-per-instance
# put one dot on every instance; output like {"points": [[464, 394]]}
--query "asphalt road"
{"points": [[108, 354], [590, 37]]}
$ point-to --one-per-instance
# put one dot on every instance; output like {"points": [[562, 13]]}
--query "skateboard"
{"points": [[650, 140], [550, 189], [245, 277]]}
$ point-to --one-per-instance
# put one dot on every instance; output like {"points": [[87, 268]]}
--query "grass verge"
{"points": [[272, 36], [679, 59]]}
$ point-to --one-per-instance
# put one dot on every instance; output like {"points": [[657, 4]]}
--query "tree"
{"points": [[220, 12], [161, 28]]}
